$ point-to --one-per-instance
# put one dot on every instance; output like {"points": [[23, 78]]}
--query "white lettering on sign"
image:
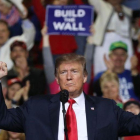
{"points": [[68, 26], [69, 13]]}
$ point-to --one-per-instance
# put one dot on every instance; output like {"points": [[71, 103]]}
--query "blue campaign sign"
{"points": [[133, 4], [69, 20]]}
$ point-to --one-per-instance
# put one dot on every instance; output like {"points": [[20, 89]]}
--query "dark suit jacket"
{"points": [[39, 118]]}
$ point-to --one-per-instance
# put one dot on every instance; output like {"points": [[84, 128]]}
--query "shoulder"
{"points": [[100, 101]]}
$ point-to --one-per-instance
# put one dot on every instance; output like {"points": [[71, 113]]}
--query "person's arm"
{"points": [[128, 123], [96, 4], [28, 33], [28, 27], [47, 57], [48, 63], [10, 119]]}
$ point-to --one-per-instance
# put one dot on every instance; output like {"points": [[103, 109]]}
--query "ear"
{"points": [[56, 78], [85, 78]]}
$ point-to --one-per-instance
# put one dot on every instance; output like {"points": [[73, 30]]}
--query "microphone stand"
{"points": [[64, 117], [64, 94]]}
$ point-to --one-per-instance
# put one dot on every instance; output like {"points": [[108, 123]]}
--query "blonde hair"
{"points": [[108, 76], [5, 136]]}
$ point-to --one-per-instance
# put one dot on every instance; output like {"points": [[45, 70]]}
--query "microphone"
{"points": [[64, 95]]}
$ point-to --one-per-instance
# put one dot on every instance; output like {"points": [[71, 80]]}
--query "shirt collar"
{"points": [[80, 100]]}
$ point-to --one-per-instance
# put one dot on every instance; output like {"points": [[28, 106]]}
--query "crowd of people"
{"points": [[112, 53]]}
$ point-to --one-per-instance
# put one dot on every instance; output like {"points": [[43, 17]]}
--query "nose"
{"points": [[69, 75]]}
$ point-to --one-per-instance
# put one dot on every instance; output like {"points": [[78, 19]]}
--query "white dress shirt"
{"points": [[79, 109]]}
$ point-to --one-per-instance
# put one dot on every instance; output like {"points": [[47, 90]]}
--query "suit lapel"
{"points": [[54, 109], [91, 117]]}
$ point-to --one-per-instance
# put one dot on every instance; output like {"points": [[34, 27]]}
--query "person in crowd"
{"points": [[62, 44], [5, 41], [109, 82], [22, 70], [49, 65], [112, 24], [12, 16], [7, 135], [129, 79], [16, 92], [134, 107], [100, 118]]}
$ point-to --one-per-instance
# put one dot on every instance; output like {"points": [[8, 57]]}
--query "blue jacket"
{"points": [[39, 118]]}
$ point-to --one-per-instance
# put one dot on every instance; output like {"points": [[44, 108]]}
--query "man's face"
{"points": [[70, 76], [133, 108], [17, 52], [118, 58], [4, 34]]}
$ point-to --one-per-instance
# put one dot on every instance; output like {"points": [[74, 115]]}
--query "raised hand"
{"points": [[3, 69], [108, 63], [21, 8], [45, 36]]}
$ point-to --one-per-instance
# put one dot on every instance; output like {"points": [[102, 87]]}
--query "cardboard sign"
{"points": [[133, 4], [69, 20]]}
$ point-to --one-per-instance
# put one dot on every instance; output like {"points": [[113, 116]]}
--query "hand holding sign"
{"points": [[69, 20]]}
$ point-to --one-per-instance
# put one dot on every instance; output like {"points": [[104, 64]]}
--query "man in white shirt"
{"points": [[93, 118]]}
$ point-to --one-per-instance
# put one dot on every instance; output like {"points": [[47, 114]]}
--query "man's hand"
{"points": [[109, 64], [134, 64], [3, 69]]}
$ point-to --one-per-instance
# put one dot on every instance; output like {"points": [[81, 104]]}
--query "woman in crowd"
{"points": [[110, 87], [61, 44], [112, 24]]}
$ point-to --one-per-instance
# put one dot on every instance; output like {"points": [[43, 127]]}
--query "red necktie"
{"points": [[71, 122]]}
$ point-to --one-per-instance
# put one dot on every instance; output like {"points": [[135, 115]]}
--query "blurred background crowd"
{"points": [[112, 53]]}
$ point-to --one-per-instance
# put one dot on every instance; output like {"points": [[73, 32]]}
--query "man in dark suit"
{"points": [[41, 116]]}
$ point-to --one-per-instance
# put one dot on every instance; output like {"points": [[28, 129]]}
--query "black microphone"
{"points": [[64, 95]]}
